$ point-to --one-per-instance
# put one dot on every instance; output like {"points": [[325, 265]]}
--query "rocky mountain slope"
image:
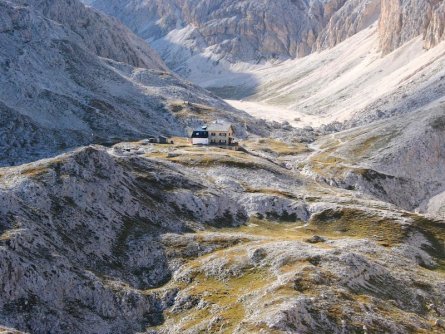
{"points": [[404, 20], [350, 83], [237, 31], [145, 238], [70, 76], [336, 227], [255, 31], [400, 160], [102, 35], [356, 61]]}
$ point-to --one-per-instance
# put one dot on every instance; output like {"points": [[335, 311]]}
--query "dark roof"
{"points": [[200, 134]]}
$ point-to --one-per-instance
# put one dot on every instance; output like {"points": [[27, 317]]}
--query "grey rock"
{"points": [[315, 239]]}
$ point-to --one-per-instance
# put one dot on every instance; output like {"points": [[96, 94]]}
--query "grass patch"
{"points": [[356, 223], [327, 165], [33, 171], [371, 144], [225, 296], [217, 157], [185, 109], [276, 147], [272, 229]]}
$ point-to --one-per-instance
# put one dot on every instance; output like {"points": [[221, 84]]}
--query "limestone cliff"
{"points": [[254, 31], [243, 30], [402, 20]]}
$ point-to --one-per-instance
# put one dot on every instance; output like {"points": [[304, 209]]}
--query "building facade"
{"points": [[221, 133], [217, 133]]}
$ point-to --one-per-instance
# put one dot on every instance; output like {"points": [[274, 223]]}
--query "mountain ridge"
{"points": [[215, 29]]}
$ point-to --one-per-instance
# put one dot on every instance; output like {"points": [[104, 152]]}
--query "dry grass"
{"points": [[368, 145], [275, 147], [183, 109], [33, 171], [327, 165], [222, 297], [214, 157], [347, 222]]}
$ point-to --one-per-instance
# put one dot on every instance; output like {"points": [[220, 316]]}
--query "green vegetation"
{"points": [[227, 295], [222, 297]]}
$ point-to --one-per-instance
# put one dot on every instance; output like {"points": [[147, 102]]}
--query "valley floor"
{"points": [[335, 85]]}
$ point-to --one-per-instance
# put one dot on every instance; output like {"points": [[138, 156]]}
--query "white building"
{"points": [[200, 136], [217, 133], [221, 133]]}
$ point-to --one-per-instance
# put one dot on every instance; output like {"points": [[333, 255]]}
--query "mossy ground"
{"points": [[184, 109], [349, 222], [222, 298], [275, 147], [207, 157]]}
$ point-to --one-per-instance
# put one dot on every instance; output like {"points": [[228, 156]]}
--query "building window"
{"points": [[213, 134]]}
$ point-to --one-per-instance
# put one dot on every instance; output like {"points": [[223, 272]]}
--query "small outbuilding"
{"points": [[163, 140], [200, 136]]}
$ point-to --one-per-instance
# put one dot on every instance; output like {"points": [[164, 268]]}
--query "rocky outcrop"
{"points": [[435, 32], [352, 17], [400, 160], [172, 239], [81, 236], [401, 21], [254, 31]]}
